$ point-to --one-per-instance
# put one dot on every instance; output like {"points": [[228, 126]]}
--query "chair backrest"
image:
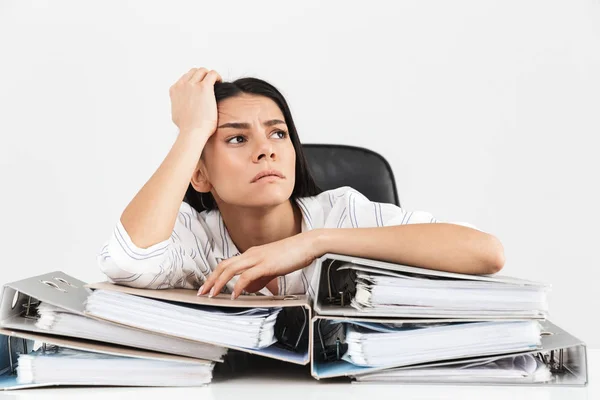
{"points": [[334, 165]]}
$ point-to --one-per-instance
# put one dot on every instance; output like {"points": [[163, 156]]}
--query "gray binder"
{"points": [[14, 342], [19, 300], [334, 288], [563, 353]]}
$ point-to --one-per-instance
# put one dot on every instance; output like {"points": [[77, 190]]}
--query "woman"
{"points": [[253, 219]]}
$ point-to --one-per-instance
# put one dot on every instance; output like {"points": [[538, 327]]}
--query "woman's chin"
{"points": [[268, 197]]}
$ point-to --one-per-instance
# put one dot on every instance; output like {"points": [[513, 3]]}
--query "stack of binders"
{"points": [[110, 335], [381, 322], [373, 322]]}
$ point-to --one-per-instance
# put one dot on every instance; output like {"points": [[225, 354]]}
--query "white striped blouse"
{"points": [[200, 241]]}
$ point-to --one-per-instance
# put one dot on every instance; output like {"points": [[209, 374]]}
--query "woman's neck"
{"points": [[250, 227]]}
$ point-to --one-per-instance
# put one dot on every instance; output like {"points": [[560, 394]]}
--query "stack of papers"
{"points": [[252, 328], [56, 320], [513, 369], [411, 294], [387, 345], [76, 367]]}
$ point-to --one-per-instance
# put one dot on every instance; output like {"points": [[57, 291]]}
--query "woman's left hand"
{"points": [[258, 265]]}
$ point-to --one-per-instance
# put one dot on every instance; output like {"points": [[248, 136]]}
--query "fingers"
{"points": [[226, 276], [212, 77], [222, 274], [186, 77], [210, 281], [198, 75], [244, 280]]}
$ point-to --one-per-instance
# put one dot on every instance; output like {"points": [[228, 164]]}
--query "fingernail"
{"points": [[200, 290], [232, 295], [212, 292]]}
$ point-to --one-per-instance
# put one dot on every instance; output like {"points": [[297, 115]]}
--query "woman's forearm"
{"points": [[439, 246], [150, 216]]}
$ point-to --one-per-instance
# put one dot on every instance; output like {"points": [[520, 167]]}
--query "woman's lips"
{"points": [[270, 173], [267, 178]]}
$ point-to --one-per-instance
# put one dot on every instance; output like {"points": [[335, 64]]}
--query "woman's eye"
{"points": [[283, 134], [233, 140]]}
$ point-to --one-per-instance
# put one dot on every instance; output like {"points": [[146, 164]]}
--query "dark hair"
{"points": [[305, 185]]}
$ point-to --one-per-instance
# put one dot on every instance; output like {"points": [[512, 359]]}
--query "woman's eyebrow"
{"points": [[245, 125]]}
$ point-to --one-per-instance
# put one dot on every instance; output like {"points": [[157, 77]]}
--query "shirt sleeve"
{"points": [[177, 262], [348, 208]]}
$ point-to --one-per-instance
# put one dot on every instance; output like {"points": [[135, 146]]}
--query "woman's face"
{"points": [[251, 138]]}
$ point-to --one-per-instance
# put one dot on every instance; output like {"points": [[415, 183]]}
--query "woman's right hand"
{"points": [[193, 103]]}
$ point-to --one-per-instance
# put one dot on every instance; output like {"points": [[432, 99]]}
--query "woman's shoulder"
{"points": [[339, 193], [340, 196]]}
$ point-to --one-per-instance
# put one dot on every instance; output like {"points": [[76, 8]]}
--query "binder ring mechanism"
{"points": [[30, 307], [291, 339], [334, 351], [342, 297], [549, 358], [554, 359], [30, 312]]}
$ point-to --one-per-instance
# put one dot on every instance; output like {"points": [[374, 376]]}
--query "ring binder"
{"points": [[565, 355], [18, 342], [294, 349], [30, 293], [345, 287]]}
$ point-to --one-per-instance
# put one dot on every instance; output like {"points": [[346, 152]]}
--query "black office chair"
{"points": [[335, 165]]}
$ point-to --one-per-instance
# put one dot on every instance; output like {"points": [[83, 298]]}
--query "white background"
{"points": [[486, 110]]}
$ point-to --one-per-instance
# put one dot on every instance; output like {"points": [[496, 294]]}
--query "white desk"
{"points": [[288, 382]]}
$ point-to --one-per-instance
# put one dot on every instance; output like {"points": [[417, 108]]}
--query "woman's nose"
{"points": [[264, 149]]}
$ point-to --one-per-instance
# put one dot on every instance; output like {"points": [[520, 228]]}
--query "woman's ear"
{"points": [[200, 180]]}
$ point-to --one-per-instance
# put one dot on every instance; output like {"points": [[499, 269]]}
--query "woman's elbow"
{"points": [[495, 255]]}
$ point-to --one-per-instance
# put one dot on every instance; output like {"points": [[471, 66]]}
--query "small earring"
{"points": [[202, 201]]}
